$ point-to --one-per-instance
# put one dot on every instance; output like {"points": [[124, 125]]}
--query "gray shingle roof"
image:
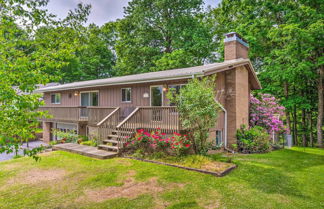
{"points": [[146, 77]]}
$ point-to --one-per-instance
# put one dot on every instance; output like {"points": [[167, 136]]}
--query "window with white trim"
{"points": [[89, 99], [126, 94], [56, 98]]}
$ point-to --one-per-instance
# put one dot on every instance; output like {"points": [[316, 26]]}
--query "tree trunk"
{"points": [[310, 121], [295, 125], [286, 92], [304, 127], [320, 107]]}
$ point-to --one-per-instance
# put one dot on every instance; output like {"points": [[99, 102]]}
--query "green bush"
{"points": [[253, 140], [89, 143], [198, 110]]}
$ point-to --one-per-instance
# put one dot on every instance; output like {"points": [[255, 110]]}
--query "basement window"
{"points": [[56, 98]]}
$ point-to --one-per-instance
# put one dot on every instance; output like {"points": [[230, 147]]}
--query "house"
{"points": [[112, 109]]}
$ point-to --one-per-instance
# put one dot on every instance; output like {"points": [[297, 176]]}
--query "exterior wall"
{"points": [[111, 95], [47, 126], [232, 87]]}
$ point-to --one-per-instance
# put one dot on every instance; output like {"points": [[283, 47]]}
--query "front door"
{"points": [[156, 101]]}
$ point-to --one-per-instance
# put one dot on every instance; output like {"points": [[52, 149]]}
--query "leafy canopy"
{"points": [[25, 60], [162, 34]]}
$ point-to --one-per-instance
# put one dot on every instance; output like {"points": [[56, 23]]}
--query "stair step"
{"points": [[125, 132], [107, 147], [111, 141], [116, 137]]}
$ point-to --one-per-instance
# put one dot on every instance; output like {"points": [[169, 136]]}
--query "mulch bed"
{"points": [[218, 174]]}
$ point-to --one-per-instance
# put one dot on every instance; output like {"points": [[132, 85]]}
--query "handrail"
{"points": [[128, 117], [107, 117]]}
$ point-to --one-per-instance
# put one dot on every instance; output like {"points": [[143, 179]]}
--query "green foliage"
{"points": [[94, 57], [89, 143], [253, 140], [25, 60], [198, 110], [285, 39], [66, 136], [162, 34]]}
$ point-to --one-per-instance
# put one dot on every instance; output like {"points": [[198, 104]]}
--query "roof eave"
{"points": [[119, 83]]}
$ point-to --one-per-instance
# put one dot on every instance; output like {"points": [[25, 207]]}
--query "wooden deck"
{"points": [[93, 152]]}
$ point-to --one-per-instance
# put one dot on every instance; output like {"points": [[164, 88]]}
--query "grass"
{"points": [[193, 161], [290, 178]]}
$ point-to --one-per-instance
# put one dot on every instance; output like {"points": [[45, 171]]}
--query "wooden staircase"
{"points": [[115, 142]]}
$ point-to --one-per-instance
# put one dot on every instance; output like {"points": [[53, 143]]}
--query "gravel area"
{"points": [[32, 144]]}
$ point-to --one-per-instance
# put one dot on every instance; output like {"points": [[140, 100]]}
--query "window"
{"points": [[176, 90], [219, 139], [89, 99], [56, 98], [126, 94]]}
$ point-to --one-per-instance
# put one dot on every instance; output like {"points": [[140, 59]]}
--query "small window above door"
{"points": [[126, 94]]}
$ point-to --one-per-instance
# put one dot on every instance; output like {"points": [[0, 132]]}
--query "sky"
{"points": [[102, 10]]}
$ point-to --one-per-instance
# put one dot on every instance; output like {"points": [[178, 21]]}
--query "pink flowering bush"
{"points": [[156, 141], [266, 112]]}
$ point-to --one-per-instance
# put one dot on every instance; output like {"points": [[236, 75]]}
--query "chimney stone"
{"points": [[235, 46]]}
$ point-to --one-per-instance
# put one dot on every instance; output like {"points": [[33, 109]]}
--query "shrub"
{"points": [[198, 110], [159, 142], [66, 137], [265, 111], [180, 144], [253, 140], [89, 143]]}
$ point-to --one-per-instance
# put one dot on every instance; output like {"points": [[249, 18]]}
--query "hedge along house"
{"points": [[114, 108]]}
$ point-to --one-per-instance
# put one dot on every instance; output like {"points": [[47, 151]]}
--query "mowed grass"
{"points": [[289, 178]]}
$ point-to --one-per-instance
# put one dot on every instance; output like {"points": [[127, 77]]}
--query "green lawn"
{"points": [[280, 179]]}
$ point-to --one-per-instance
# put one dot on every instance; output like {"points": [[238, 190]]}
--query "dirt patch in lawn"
{"points": [[131, 189], [125, 162], [37, 175]]}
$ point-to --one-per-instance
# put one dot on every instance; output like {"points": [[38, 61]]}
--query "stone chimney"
{"points": [[235, 46]]}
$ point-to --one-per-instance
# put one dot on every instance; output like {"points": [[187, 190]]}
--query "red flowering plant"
{"points": [[180, 144], [157, 141]]}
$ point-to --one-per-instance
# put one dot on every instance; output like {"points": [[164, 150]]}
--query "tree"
{"points": [[285, 46], [25, 60], [162, 34], [198, 110]]}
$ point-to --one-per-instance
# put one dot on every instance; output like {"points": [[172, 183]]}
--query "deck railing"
{"points": [[65, 113], [97, 114], [91, 114], [108, 124], [165, 118]]}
